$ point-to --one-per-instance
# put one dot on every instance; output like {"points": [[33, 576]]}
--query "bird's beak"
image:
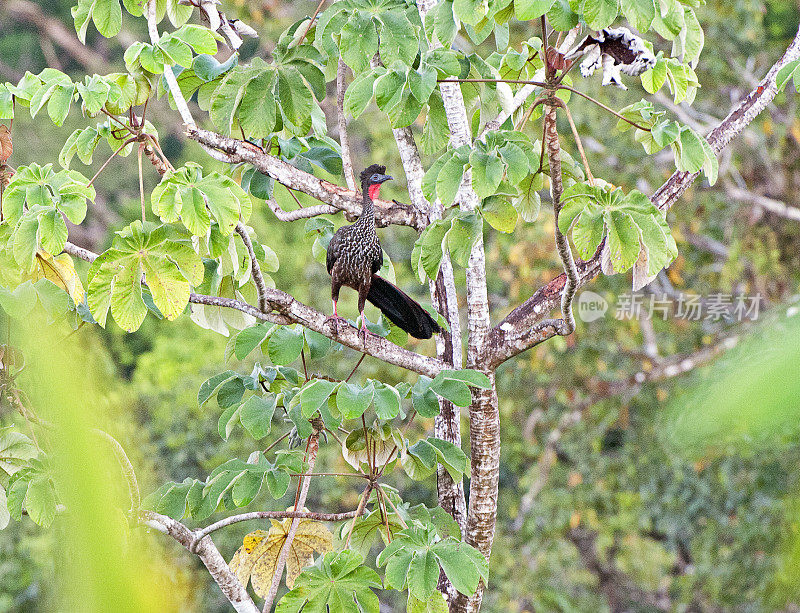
{"points": [[385, 178]]}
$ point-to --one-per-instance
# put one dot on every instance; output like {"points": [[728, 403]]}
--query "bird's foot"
{"points": [[364, 332], [335, 320]]}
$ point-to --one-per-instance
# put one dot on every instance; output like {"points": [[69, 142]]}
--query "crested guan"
{"points": [[354, 258]]}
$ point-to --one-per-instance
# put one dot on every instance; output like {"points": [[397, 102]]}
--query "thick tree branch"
{"points": [[291, 311], [205, 549], [521, 328], [234, 151]]}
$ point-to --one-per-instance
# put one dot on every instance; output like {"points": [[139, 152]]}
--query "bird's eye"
{"points": [[375, 177]]}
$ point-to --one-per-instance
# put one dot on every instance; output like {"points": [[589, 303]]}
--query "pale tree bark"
{"points": [[484, 413]]}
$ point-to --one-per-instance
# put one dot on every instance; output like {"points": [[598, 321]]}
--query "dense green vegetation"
{"points": [[615, 493]]}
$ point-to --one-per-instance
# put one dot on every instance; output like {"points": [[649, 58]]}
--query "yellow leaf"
{"points": [[257, 558], [61, 271]]}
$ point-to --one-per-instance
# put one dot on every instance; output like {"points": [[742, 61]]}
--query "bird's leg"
{"points": [[335, 318], [363, 331]]}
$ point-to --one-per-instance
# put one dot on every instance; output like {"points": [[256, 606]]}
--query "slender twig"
{"points": [[334, 435], [126, 467], [366, 442], [394, 508], [359, 475], [529, 112], [108, 161], [548, 69], [311, 449], [361, 359], [518, 81], [258, 277], [578, 143], [303, 358], [394, 450], [273, 445], [603, 106], [310, 23], [141, 180], [234, 519], [119, 121], [384, 513], [359, 512]]}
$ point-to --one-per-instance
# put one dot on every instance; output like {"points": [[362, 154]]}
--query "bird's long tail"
{"points": [[402, 310]]}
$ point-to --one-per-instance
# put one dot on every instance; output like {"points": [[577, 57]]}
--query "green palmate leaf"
{"points": [[35, 204], [387, 401], [448, 179], [250, 338], [435, 604], [185, 194], [531, 9], [561, 16], [314, 395], [430, 252], [500, 213], [639, 13], [164, 259], [423, 398], [600, 13], [690, 154], [653, 79], [413, 558], [466, 229], [487, 172], [451, 457], [631, 222], [352, 400], [787, 72], [285, 344], [16, 450], [398, 39], [469, 11], [256, 415], [359, 93], [359, 41], [106, 15], [337, 582]]}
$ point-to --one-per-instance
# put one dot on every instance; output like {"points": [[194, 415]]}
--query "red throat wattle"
{"points": [[374, 190]]}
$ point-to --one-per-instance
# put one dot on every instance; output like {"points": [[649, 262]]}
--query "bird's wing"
{"points": [[377, 262], [330, 259]]}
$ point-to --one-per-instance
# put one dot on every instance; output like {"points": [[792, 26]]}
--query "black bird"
{"points": [[354, 258]]}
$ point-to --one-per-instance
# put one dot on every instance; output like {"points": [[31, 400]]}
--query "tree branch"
{"points": [[208, 553], [556, 189], [169, 76], [258, 277], [341, 122], [235, 519], [234, 151], [311, 454], [525, 327], [292, 311]]}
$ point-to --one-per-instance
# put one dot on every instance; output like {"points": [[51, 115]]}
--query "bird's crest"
{"points": [[371, 170]]}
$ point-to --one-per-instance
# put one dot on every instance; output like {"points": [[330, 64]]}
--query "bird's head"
{"points": [[372, 178]]}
